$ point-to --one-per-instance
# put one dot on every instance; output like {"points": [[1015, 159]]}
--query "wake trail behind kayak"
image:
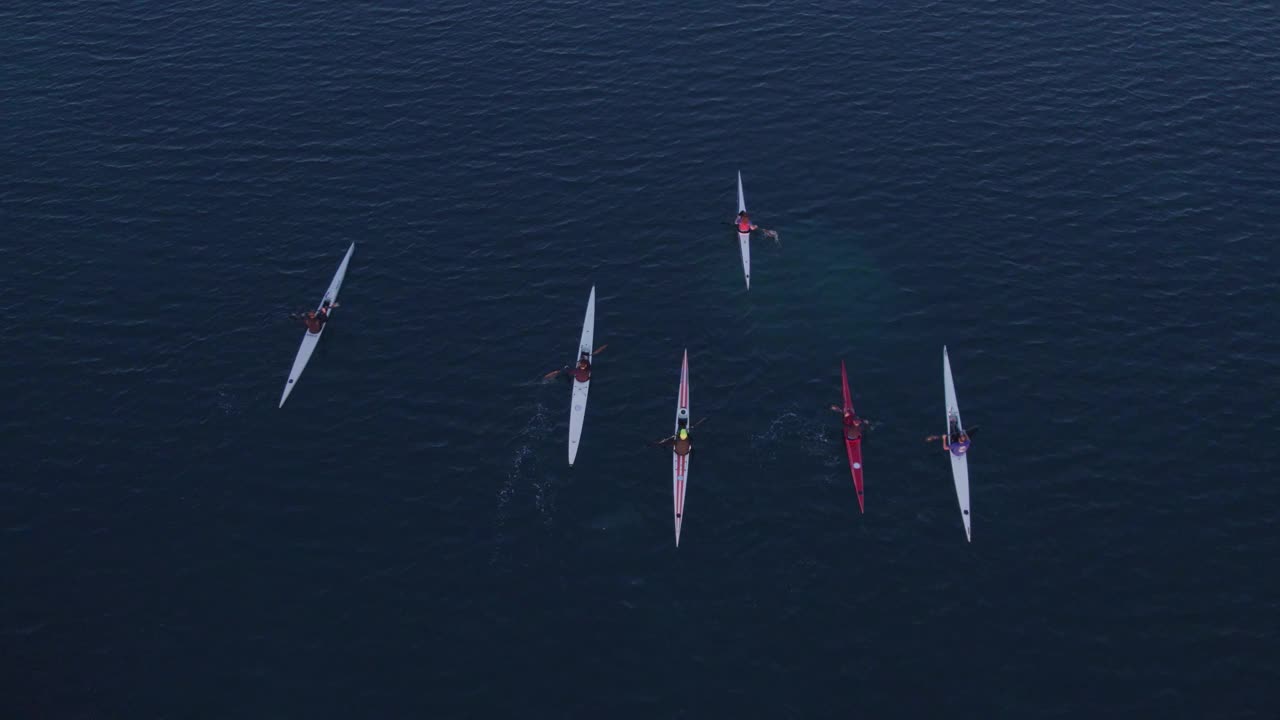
{"points": [[805, 432], [524, 471]]}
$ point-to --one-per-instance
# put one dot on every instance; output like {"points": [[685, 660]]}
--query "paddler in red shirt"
{"points": [[315, 320], [580, 372], [744, 226], [854, 426]]}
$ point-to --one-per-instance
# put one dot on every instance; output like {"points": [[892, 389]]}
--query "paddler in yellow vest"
{"points": [[681, 443]]}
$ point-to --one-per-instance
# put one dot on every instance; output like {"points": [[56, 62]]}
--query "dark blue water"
{"points": [[1080, 200]]}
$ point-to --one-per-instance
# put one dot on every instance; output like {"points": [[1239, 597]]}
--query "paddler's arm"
{"points": [[945, 444], [837, 409]]}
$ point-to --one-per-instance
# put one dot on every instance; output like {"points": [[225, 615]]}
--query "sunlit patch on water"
{"points": [[544, 498], [227, 404]]}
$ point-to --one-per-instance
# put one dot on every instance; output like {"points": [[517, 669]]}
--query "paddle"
{"points": [[865, 422], [968, 431], [567, 368], [659, 443]]}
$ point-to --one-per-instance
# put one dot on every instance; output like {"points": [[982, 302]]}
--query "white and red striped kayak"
{"points": [[680, 463]]}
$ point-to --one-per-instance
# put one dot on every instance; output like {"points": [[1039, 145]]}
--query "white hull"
{"points": [[959, 465], [310, 339], [744, 239], [679, 463], [578, 402]]}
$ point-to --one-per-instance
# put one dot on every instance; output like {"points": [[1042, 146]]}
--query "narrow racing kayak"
{"points": [[959, 463], [744, 239], [310, 339], [578, 402], [852, 447], [680, 463]]}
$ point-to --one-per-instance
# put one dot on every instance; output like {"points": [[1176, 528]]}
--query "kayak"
{"points": [[578, 401], [310, 339], [959, 463], [680, 463], [744, 239], [852, 447]]}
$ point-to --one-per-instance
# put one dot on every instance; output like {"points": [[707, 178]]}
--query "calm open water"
{"points": [[1079, 199]]}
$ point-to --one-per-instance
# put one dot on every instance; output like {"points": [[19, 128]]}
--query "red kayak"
{"points": [[854, 447]]}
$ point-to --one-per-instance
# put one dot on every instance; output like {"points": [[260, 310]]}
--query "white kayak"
{"points": [[680, 463], [744, 239], [959, 463], [310, 339], [578, 403]]}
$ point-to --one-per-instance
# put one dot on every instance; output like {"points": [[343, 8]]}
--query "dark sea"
{"points": [[1080, 200]]}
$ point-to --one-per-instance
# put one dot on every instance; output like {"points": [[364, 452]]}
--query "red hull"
{"points": [[852, 447]]}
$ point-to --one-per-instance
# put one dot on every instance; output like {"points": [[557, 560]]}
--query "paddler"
{"points": [[854, 426], [580, 372], [315, 319], [956, 441], [679, 442], [745, 226]]}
